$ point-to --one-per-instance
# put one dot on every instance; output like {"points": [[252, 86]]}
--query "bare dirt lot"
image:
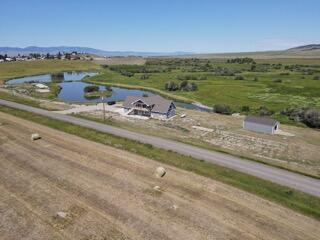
{"points": [[107, 193], [297, 149]]}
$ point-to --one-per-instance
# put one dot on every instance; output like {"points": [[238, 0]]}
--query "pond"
{"points": [[55, 77], [73, 92], [73, 88]]}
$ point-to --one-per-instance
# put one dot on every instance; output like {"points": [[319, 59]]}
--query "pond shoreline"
{"points": [[72, 84]]}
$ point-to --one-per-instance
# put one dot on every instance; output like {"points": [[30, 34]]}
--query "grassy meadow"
{"points": [[273, 83]]}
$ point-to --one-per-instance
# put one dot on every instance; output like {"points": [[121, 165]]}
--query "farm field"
{"points": [[275, 84], [109, 194]]}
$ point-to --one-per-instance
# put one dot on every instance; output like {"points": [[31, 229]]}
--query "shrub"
{"points": [[241, 60], [308, 116], [239, 77], [224, 72], [277, 80], [245, 109], [91, 88], [188, 87], [255, 79], [222, 109], [144, 76], [264, 111], [316, 78], [312, 118], [171, 86], [126, 73]]}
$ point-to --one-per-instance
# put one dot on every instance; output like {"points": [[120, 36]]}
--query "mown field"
{"points": [[102, 191], [275, 84], [287, 197]]}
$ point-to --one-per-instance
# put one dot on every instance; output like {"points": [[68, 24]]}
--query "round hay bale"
{"points": [[160, 172], [35, 136], [62, 214]]}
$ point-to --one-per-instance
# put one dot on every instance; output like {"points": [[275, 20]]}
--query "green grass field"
{"points": [[290, 198], [276, 89], [296, 89]]}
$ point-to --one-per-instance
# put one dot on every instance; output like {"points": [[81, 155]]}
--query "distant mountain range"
{"points": [[14, 51], [306, 51], [310, 47]]}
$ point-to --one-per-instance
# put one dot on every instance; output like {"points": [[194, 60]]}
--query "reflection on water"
{"points": [[54, 77], [73, 92]]}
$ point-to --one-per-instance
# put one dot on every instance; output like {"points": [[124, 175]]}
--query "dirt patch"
{"points": [[108, 193]]}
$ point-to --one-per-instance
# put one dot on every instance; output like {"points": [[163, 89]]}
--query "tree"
{"points": [[239, 77], [171, 86], [312, 118], [59, 55], [222, 109], [91, 88], [264, 111], [245, 109], [145, 76]]}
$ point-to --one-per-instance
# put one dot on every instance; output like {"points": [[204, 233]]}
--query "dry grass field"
{"points": [[130, 60], [109, 194]]}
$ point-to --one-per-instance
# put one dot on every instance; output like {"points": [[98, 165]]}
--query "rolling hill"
{"points": [[306, 51]]}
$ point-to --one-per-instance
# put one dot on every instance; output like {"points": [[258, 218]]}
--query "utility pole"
{"points": [[104, 109]]}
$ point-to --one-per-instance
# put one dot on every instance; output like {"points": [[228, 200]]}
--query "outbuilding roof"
{"points": [[158, 104], [261, 120]]}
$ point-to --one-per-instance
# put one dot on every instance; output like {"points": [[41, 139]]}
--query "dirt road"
{"points": [[109, 194]]}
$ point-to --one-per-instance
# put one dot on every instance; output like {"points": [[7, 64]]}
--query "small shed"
{"points": [[41, 86], [261, 124]]}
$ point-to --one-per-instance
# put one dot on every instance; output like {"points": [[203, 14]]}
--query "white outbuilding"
{"points": [[261, 124]]}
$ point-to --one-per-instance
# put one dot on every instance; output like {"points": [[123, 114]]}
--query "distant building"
{"points": [[153, 106], [41, 86], [261, 124]]}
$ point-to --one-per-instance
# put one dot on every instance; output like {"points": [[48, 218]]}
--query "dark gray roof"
{"points": [[261, 120], [160, 104]]}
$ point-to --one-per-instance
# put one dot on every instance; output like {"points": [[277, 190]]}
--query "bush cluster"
{"points": [[91, 88], [183, 86], [222, 109], [241, 60], [306, 115]]}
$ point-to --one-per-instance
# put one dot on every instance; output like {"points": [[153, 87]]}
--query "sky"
{"points": [[161, 25]]}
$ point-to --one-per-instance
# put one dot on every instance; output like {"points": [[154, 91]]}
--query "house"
{"points": [[261, 124], [153, 106], [41, 86]]}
